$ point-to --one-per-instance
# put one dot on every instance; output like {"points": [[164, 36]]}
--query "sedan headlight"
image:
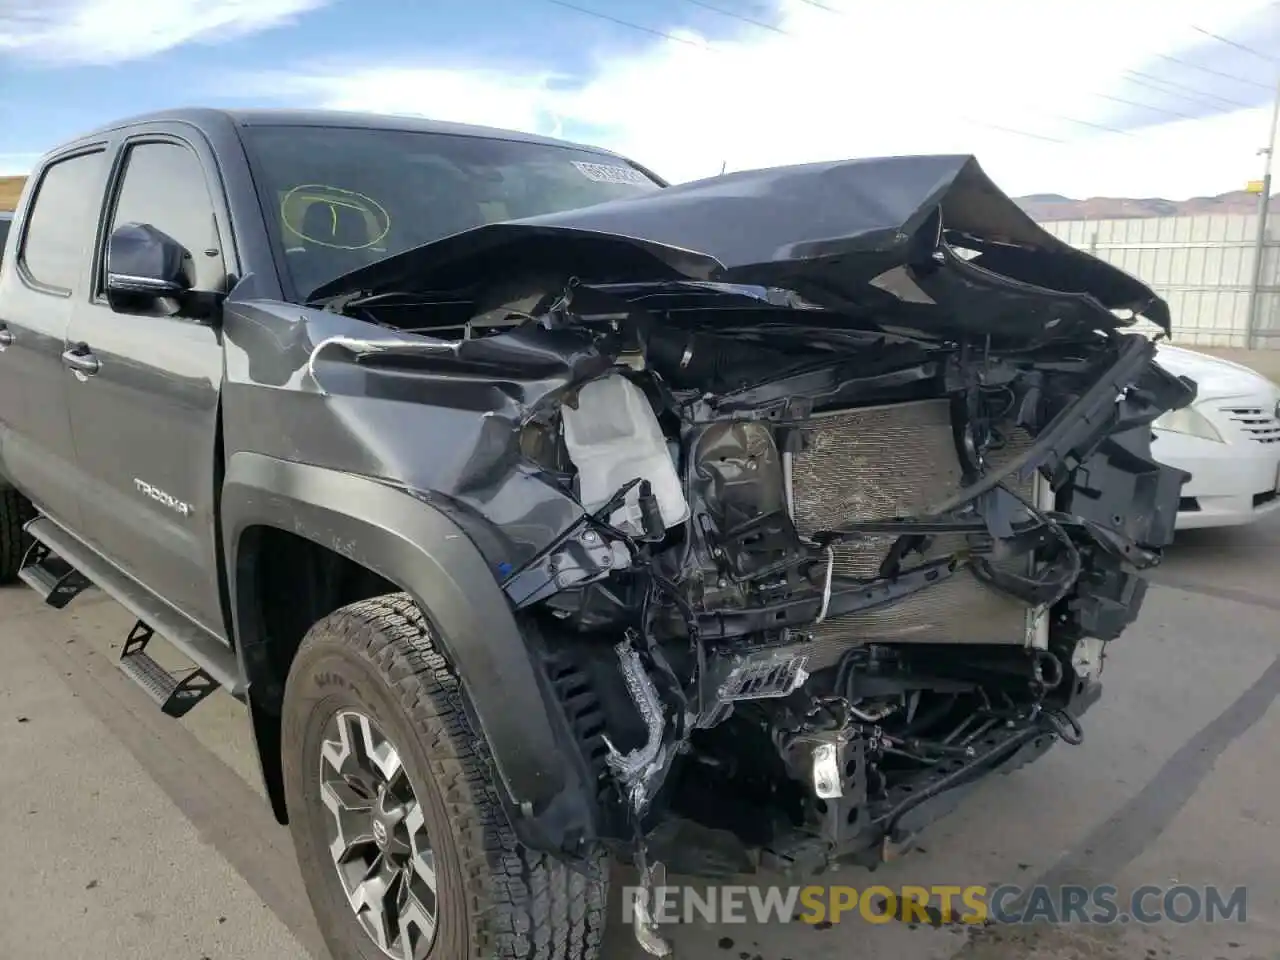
{"points": [[1190, 421]]}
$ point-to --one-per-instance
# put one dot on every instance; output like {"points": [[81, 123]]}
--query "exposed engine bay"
{"points": [[797, 566]]}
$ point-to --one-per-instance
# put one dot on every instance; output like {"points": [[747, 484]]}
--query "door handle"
{"points": [[81, 361], [6, 337]]}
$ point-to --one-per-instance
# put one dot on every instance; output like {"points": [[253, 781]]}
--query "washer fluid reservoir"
{"points": [[614, 437]]}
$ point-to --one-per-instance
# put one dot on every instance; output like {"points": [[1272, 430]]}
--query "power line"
{"points": [[1191, 90], [1096, 126], [1146, 106], [1013, 130], [668, 36], [1167, 92], [633, 26], [1055, 116], [738, 16], [1236, 44], [1138, 77], [1216, 73]]}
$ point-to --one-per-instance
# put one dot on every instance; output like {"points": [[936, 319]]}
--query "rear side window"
{"points": [[164, 186], [63, 220]]}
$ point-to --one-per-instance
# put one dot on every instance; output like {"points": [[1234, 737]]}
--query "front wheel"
{"points": [[15, 511], [402, 842]]}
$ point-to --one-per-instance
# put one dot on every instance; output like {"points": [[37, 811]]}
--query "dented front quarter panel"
{"points": [[413, 471], [442, 425]]}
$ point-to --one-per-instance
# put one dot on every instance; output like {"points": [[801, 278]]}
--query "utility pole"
{"points": [[1260, 243]]}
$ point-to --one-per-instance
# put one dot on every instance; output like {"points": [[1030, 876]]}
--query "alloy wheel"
{"points": [[378, 837]]}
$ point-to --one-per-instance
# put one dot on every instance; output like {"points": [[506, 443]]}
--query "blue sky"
{"points": [[1085, 97]]}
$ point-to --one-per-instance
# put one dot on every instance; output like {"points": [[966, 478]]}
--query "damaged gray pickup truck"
{"points": [[542, 512]]}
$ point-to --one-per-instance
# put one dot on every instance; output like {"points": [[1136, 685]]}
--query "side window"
{"points": [[164, 186], [62, 220], [4, 234]]}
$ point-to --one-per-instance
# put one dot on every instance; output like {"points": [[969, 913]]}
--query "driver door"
{"points": [[145, 411]]}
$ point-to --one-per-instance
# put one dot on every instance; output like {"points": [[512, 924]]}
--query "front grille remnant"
{"points": [[881, 463], [1256, 423]]}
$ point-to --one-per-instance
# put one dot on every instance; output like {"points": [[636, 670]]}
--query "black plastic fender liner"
{"points": [[414, 546]]}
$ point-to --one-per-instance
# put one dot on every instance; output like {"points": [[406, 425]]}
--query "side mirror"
{"points": [[143, 263]]}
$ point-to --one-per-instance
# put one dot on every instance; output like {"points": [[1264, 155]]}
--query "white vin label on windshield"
{"points": [[607, 173]]}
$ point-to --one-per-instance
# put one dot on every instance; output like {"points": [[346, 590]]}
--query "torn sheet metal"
{"points": [[637, 768]]}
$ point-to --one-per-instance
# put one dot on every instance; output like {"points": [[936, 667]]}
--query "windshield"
{"points": [[339, 198]]}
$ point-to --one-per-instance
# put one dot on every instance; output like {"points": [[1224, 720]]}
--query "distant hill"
{"points": [[10, 190], [1052, 206]]}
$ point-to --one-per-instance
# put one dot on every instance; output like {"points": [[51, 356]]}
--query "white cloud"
{"points": [[480, 96], [110, 31], [915, 76]]}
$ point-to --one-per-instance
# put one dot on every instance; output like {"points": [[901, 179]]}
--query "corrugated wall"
{"points": [[1202, 265]]}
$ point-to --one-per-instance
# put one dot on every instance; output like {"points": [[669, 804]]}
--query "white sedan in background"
{"points": [[1228, 440]]}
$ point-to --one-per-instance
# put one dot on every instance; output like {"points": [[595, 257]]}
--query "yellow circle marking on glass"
{"points": [[375, 214]]}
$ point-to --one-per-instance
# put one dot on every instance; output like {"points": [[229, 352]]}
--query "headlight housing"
{"points": [[1189, 421]]}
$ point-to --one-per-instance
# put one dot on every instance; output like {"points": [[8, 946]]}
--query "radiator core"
{"points": [[879, 463]]}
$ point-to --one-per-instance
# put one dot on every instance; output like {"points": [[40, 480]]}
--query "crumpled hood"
{"points": [[884, 237]]}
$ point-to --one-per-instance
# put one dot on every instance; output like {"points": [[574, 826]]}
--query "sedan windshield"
{"points": [[339, 198]]}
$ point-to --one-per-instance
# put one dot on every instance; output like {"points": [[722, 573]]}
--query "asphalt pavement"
{"points": [[130, 836]]}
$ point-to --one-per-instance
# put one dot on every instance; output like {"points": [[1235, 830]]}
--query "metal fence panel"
{"points": [[1203, 265]]}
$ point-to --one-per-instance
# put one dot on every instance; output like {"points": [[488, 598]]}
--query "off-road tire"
{"points": [[497, 899], [15, 511]]}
